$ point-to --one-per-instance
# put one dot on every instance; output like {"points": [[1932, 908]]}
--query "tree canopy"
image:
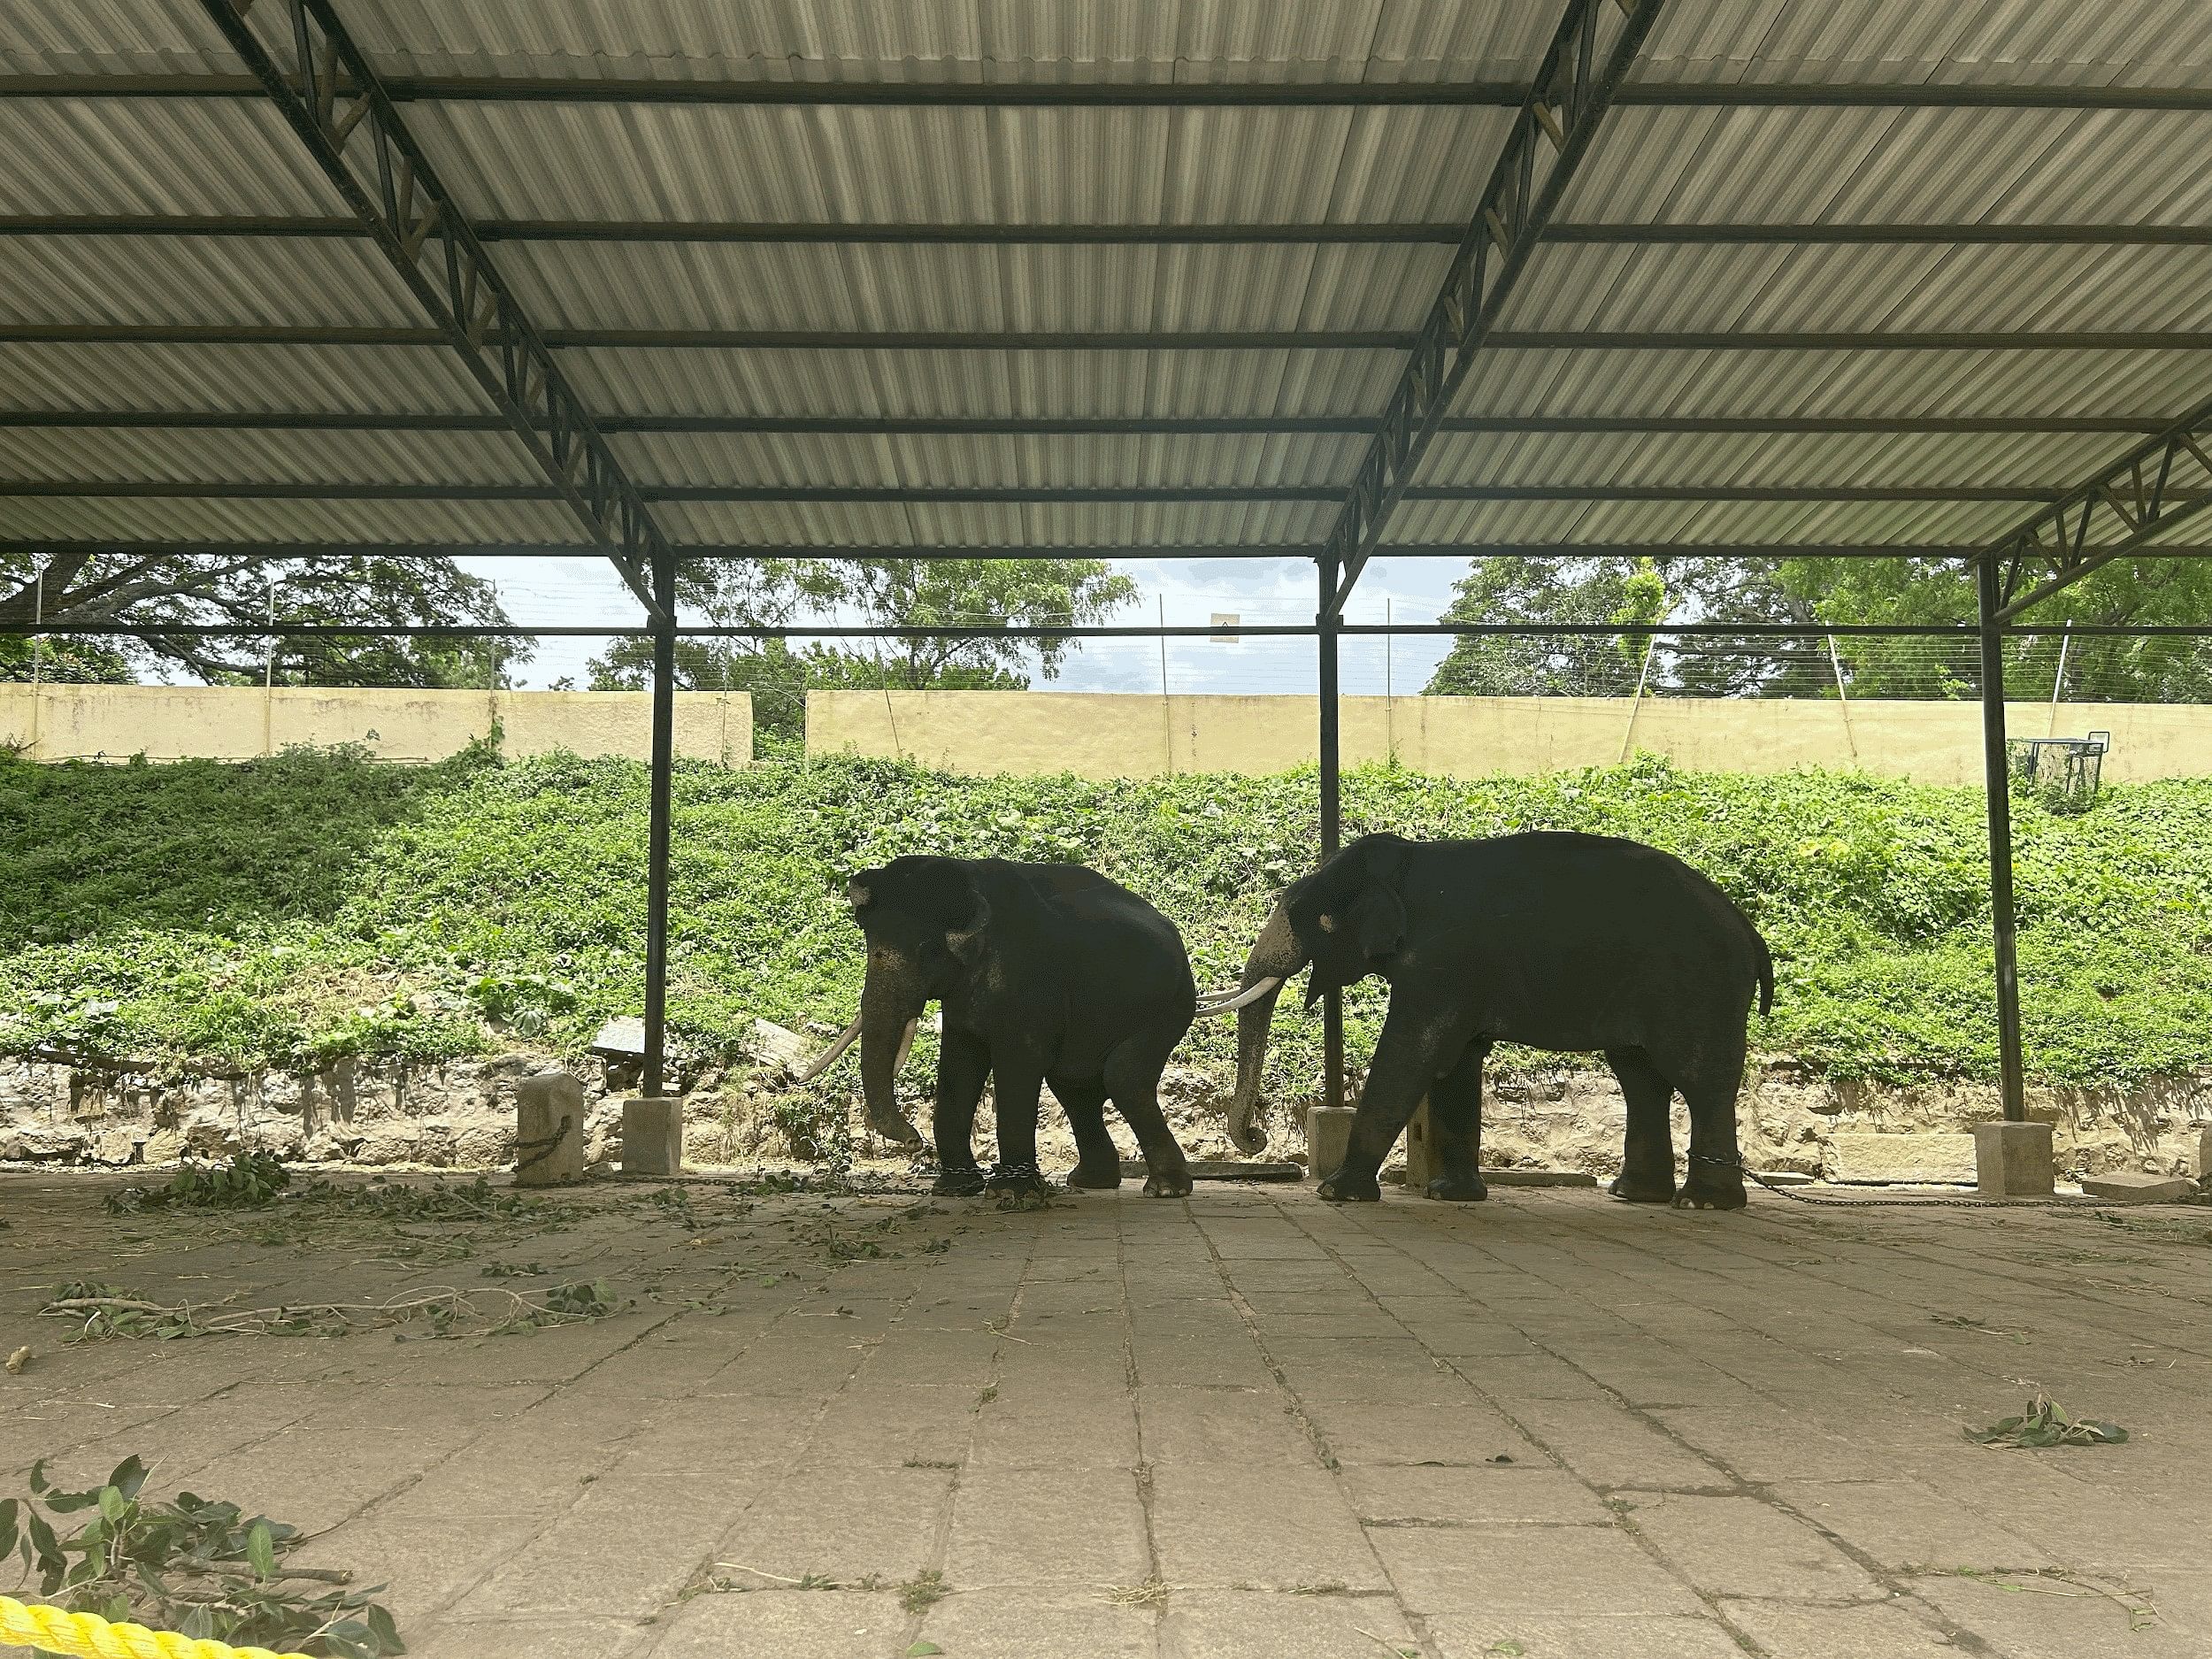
{"points": [[870, 593], [1534, 588], [56, 591]]}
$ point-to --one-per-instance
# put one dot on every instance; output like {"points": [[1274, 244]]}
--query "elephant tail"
{"points": [[1766, 973]]}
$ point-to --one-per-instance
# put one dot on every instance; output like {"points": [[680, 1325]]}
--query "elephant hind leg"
{"points": [[1647, 1174], [1097, 1162], [1456, 1120], [1714, 1180], [1132, 1079]]}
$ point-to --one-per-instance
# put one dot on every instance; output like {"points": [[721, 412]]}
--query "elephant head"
{"points": [[924, 922], [1345, 919]]}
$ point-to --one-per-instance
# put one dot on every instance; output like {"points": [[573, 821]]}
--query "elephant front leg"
{"points": [[1647, 1174], [1456, 1120], [962, 1066], [1015, 1099], [1404, 1065]]}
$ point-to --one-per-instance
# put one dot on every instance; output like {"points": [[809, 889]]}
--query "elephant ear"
{"points": [[965, 938], [1378, 920], [1376, 914]]}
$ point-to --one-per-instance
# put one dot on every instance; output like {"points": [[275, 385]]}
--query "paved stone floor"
{"points": [[1249, 1424]]}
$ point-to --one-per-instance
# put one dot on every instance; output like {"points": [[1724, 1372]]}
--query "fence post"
{"points": [[1843, 699], [38, 651], [2058, 680], [1997, 785], [1636, 701], [268, 680], [1167, 713]]}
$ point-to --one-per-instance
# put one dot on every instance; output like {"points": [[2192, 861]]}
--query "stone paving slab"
{"points": [[1244, 1423]]}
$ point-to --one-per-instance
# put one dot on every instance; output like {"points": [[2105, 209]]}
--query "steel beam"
{"points": [[1156, 95], [1292, 630], [332, 100], [1325, 622], [1422, 345], [1567, 99], [1997, 794], [1057, 426], [165, 489], [659, 813], [1002, 235], [277, 552], [2117, 514]]}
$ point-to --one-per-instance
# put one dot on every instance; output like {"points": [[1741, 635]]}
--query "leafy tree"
{"points": [[870, 593], [1811, 593], [53, 591], [1534, 588]]}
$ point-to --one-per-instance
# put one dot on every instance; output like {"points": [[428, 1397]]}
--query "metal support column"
{"points": [[1997, 781], [663, 575], [1332, 1003]]}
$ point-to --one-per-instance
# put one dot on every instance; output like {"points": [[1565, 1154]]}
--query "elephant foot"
{"points": [[1104, 1179], [1468, 1189], [961, 1183], [1347, 1187], [1641, 1190], [1023, 1179], [1707, 1191], [1172, 1182]]}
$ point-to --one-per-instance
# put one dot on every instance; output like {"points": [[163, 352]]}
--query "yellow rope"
{"points": [[85, 1637]]}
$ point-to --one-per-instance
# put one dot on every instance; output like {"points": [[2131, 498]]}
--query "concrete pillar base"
{"points": [[1328, 1136], [2013, 1160], [652, 1135], [1421, 1164], [550, 1113], [2204, 1159]]}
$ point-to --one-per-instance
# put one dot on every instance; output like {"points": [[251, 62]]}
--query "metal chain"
{"points": [[2076, 1205]]}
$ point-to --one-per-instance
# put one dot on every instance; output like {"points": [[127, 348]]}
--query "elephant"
{"points": [[1559, 941], [1044, 973]]}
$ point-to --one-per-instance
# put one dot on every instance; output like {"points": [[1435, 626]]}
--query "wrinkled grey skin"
{"points": [[1045, 973], [1562, 941]]}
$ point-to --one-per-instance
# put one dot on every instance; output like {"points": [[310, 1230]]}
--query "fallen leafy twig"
{"points": [[2046, 1422], [108, 1311]]}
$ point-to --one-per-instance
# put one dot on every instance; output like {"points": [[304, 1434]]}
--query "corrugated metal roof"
{"points": [[236, 379], [1819, 289], [1135, 165], [981, 383], [1903, 460], [147, 279], [485, 525], [1903, 42], [799, 459], [1993, 384], [977, 166], [994, 524], [274, 457], [974, 290]]}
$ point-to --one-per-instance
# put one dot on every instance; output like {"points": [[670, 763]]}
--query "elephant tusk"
{"points": [[1229, 1001], [906, 1044], [843, 1042]]}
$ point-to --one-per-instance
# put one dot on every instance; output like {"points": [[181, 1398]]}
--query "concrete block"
{"points": [[1863, 1155], [2125, 1188], [2204, 1155], [550, 1111], [1328, 1134], [1421, 1163], [652, 1135], [2013, 1161]]}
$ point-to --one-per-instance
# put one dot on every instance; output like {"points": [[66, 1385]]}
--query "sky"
{"points": [[1184, 592]]}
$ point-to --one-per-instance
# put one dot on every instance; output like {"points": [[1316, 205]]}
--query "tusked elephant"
{"points": [[1554, 940], [1045, 973]]}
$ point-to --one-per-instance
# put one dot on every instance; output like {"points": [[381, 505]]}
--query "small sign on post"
{"points": [[1224, 623]]}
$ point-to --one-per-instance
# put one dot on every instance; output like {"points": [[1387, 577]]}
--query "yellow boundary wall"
{"points": [[241, 722], [1117, 735]]}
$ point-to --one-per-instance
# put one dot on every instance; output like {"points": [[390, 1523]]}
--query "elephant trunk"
{"points": [[890, 1004], [1275, 956]]}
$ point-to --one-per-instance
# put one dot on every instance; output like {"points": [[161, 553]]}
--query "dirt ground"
{"points": [[1249, 1423]]}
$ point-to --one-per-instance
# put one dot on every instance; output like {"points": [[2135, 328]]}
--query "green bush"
{"points": [[289, 910]]}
